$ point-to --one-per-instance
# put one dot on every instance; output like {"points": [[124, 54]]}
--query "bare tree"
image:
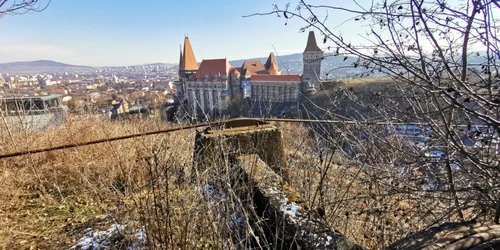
{"points": [[14, 7], [444, 57]]}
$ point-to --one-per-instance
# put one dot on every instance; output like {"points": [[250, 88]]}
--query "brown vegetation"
{"points": [[49, 199]]}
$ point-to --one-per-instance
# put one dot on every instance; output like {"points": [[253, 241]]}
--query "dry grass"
{"points": [[48, 199], [356, 82], [371, 205]]}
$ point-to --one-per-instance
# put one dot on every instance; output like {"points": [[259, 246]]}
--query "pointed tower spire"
{"points": [[181, 59], [270, 61], [273, 69], [312, 46], [188, 60]]}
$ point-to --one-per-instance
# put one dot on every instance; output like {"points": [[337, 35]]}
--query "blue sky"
{"points": [[127, 32]]}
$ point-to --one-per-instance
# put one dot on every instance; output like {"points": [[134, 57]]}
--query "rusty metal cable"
{"points": [[163, 131], [80, 144]]}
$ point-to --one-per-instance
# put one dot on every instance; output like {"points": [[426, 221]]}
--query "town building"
{"points": [[2, 81]]}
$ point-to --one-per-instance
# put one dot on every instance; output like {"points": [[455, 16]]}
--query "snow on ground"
{"points": [[100, 240]]}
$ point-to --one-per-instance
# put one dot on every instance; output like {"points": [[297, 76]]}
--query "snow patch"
{"points": [[96, 240], [100, 240]]}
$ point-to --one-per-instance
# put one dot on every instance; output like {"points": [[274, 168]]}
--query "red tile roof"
{"points": [[235, 70], [271, 60], [253, 67], [189, 61], [211, 67], [312, 46], [275, 78], [273, 69]]}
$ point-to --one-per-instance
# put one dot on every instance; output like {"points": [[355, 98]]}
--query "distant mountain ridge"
{"points": [[48, 66], [289, 64], [297, 57], [293, 64], [333, 67], [40, 66], [45, 63]]}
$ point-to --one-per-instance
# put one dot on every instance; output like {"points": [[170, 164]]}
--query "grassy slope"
{"points": [[48, 199], [349, 99]]}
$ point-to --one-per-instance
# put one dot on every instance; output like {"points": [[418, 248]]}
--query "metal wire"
{"points": [[163, 131]]}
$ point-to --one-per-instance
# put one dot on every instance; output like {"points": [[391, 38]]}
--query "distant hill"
{"points": [[148, 65], [41, 66], [335, 66], [292, 58], [47, 66], [154, 64], [289, 64], [292, 64]]}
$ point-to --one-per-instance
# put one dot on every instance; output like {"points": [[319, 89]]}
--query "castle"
{"points": [[209, 87]]}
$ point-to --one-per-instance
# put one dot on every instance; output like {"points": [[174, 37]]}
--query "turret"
{"points": [[272, 65], [181, 60], [187, 62], [312, 58]]}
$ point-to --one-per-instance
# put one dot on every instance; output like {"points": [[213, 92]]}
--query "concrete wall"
{"points": [[215, 146]]}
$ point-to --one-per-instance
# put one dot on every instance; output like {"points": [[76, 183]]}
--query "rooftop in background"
{"points": [[213, 67], [253, 67], [271, 63], [21, 97]]}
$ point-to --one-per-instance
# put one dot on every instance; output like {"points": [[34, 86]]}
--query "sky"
{"points": [[127, 32]]}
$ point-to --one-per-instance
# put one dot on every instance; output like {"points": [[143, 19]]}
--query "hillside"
{"points": [[333, 67], [289, 64], [292, 64], [40, 66]]}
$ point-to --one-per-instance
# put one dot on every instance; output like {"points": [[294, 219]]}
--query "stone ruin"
{"points": [[254, 153], [254, 150], [453, 236]]}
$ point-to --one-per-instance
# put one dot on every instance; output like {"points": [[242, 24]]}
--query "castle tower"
{"points": [[187, 61], [312, 58], [187, 67], [274, 70], [181, 59], [272, 65]]}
